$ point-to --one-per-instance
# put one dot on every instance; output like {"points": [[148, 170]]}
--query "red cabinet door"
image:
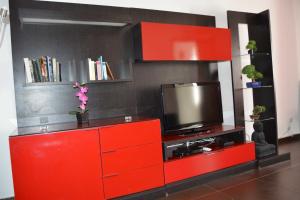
{"points": [[184, 42], [129, 134], [57, 166], [134, 181], [188, 167]]}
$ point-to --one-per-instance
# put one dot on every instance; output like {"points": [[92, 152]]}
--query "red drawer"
{"points": [[130, 134], [131, 158], [63, 165], [207, 162], [133, 182]]}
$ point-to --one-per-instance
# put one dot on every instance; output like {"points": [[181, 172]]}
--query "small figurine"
{"points": [[262, 147]]}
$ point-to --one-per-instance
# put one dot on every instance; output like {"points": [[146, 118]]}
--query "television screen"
{"points": [[191, 106]]}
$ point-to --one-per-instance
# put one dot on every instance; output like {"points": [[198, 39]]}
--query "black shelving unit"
{"points": [[72, 33], [258, 30]]}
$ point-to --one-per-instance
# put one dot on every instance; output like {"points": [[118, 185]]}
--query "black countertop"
{"points": [[50, 128]]}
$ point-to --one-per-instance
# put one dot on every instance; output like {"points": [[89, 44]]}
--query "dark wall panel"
{"points": [[149, 77], [73, 44]]}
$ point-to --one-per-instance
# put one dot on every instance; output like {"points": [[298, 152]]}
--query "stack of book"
{"points": [[44, 69], [99, 70]]}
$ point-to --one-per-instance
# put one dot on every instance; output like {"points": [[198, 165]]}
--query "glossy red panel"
{"points": [[134, 181], [131, 158], [129, 134], [188, 167], [184, 42], [64, 165]]}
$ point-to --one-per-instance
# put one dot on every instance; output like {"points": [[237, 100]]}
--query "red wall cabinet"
{"points": [[188, 167], [132, 158], [168, 42], [62, 165]]}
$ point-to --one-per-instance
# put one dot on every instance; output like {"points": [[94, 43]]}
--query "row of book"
{"points": [[99, 70], [44, 69]]}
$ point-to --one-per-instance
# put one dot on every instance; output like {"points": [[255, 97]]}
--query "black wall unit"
{"points": [[137, 88], [259, 30]]}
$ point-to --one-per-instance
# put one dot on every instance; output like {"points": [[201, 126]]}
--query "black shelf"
{"points": [[259, 30], [70, 83], [173, 143]]}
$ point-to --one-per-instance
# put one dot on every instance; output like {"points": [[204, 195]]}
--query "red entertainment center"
{"points": [[110, 158], [165, 76]]}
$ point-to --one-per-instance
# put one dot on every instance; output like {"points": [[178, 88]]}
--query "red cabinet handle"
{"points": [[109, 151], [110, 175]]}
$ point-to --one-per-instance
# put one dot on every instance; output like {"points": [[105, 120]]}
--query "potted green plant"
{"points": [[253, 74], [251, 46], [257, 110], [81, 114]]}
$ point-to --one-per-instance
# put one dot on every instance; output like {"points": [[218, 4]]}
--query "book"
{"points": [[109, 72], [95, 67], [104, 71], [92, 73], [44, 68], [27, 70], [103, 68], [38, 67], [35, 71], [58, 69], [99, 70], [54, 67], [50, 69], [32, 71]]}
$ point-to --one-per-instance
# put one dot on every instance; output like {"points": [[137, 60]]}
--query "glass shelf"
{"points": [[261, 87], [265, 119], [254, 55]]}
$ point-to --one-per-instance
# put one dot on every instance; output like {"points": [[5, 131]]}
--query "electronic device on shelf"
{"points": [[191, 107], [190, 147]]}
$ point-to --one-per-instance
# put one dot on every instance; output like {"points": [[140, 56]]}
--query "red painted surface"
{"points": [[131, 158], [63, 165], [184, 168], [133, 181], [184, 42], [129, 134]]}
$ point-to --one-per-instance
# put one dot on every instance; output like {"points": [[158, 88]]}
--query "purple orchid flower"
{"points": [[81, 94]]}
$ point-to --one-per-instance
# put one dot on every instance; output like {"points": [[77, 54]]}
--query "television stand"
{"points": [[223, 134], [186, 156]]}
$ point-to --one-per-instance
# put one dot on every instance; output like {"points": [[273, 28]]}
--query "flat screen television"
{"points": [[191, 106]]}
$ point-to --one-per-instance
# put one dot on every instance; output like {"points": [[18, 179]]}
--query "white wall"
{"points": [[285, 62], [286, 67], [7, 111]]}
